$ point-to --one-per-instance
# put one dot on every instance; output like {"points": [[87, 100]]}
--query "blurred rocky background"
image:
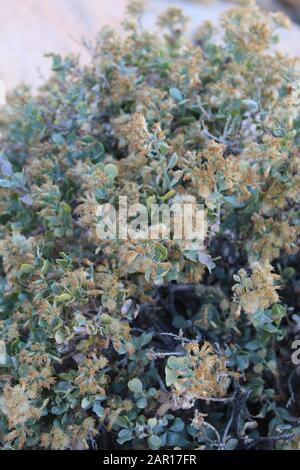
{"points": [[31, 28], [289, 7]]}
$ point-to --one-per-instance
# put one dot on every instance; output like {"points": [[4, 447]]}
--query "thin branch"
{"points": [[221, 400], [283, 437], [290, 386]]}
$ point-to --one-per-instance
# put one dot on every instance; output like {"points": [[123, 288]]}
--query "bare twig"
{"points": [[283, 437], [290, 386]]}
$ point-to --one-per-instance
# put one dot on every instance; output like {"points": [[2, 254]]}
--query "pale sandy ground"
{"points": [[30, 28]]}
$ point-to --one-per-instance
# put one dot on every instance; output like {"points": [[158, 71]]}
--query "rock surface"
{"points": [[31, 28]]}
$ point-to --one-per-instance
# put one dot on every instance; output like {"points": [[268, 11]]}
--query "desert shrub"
{"points": [[153, 343]]}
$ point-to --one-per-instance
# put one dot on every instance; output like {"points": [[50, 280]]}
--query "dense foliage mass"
{"points": [[153, 344]]}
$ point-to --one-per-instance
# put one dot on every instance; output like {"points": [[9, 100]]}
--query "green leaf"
{"points": [[250, 105], [64, 386], [124, 436], [98, 410], [59, 336], [176, 94], [278, 312], [173, 362], [171, 376], [168, 195], [62, 298], [111, 170], [270, 328], [58, 139], [5, 166], [231, 444], [173, 161], [253, 345], [177, 426], [152, 422], [123, 421], [161, 252], [288, 273], [26, 268], [154, 442], [164, 148], [45, 267], [242, 361], [206, 259], [135, 386], [86, 402], [6, 183], [59, 410], [66, 208], [142, 403], [2, 353]]}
